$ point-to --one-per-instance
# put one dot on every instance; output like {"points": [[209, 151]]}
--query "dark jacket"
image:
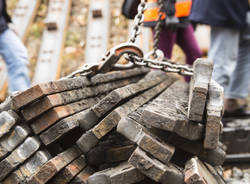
{"points": [[4, 17], [221, 13]]}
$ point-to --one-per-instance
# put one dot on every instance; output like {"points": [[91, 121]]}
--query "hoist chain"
{"points": [[138, 20], [164, 65], [158, 28], [133, 54]]}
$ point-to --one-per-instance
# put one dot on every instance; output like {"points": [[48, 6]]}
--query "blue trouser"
{"points": [[15, 55], [230, 51]]}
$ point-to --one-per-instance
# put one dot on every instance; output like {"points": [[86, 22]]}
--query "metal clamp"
{"points": [[113, 55], [85, 70]]}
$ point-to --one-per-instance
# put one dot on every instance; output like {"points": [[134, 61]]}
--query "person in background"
{"points": [[229, 48], [177, 28], [14, 53]]}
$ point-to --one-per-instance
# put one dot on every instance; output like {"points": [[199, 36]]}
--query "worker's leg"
{"points": [[239, 83], [15, 55], [167, 41], [224, 53], [187, 41], [240, 80]]}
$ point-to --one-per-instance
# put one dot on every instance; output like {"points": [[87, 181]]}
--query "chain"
{"points": [[138, 20], [158, 28], [164, 65]]}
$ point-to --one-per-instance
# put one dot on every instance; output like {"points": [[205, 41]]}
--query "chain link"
{"points": [[138, 20], [158, 28], [164, 65]]}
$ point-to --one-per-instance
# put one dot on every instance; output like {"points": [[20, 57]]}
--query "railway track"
{"points": [[24, 15], [49, 60], [97, 30]]}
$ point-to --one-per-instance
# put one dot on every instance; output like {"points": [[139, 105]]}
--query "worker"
{"points": [[176, 27], [229, 49], [13, 52]]}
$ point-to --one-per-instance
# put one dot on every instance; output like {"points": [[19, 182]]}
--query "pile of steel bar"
{"points": [[121, 127]]}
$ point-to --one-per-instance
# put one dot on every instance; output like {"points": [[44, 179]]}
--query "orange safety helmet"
{"points": [[151, 14]]}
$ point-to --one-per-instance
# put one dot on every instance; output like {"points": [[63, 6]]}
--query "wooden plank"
{"points": [[198, 89], [214, 111], [98, 30], [168, 112], [18, 156], [24, 15], [92, 137], [9, 142], [145, 140], [48, 102], [53, 166], [196, 172], [154, 169], [106, 153], [123, 173], [7, 120], [214, 157], [49, 59], [83, 176], [92, 116], [57, 113], [59, 129], [26, 170], [40, 90], [69, 172]]}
